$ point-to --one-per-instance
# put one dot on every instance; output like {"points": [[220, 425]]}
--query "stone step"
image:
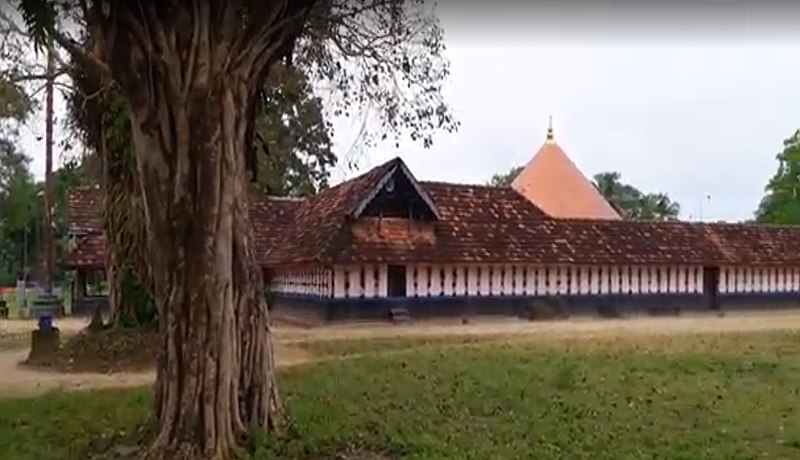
{"points": [[399, 315]]}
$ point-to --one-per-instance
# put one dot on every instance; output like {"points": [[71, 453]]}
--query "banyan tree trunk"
{"points": [[129, 284], [189, 72], [215, 376]]}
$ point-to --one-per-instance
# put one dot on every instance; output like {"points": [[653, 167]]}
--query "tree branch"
{"points": [[80, 55], [33, 77], [254, 48]]}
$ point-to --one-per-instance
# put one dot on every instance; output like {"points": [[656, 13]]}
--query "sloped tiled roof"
{"points": [[485, 223], [608, 242], [554, 183], [270, 217], [752, 244], [477, 224], [90, 251], [84, 209]]}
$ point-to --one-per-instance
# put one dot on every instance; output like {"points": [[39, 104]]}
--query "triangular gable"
{"points": [[398, 167]]}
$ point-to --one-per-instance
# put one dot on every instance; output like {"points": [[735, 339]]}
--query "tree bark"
{"points": [[215, 376]]}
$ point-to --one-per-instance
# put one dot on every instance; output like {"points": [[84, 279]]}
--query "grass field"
{"points": [[703, 396]]}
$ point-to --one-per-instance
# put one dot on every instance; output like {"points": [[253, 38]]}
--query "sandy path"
{"points": [[685, 324], [18, 380]]}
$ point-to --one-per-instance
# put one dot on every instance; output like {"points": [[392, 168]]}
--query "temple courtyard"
{"points": [[300, 345]]}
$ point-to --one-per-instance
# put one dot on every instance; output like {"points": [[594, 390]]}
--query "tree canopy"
{"points": [[19, 207], [781, 204], [19, 213], [632, 203]]}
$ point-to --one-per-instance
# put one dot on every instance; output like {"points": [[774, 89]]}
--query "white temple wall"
{"points": [[759, 280], [435, 280], [315, 282], [447, 280]]}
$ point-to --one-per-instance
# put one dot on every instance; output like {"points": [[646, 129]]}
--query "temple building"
{"points": [[555, 185], [385, 241]]}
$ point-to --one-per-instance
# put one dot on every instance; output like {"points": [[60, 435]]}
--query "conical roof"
{"points": [[552, 182]]}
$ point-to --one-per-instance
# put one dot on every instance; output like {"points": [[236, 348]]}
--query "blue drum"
{"points": [[46, 323]]}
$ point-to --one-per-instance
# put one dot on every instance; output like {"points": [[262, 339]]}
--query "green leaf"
{"points": [[40, 19]]}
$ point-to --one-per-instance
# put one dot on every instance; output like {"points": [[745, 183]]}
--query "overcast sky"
{"points": [[686, 100], [681, 100]]}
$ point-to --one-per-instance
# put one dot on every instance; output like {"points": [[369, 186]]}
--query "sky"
{"points": [[694, 101]]}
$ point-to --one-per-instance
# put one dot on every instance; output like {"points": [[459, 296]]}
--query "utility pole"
{"points": [[48, 305], [48, 174]]}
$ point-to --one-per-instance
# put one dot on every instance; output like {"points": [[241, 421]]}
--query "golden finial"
{"points": [[550, 130]]}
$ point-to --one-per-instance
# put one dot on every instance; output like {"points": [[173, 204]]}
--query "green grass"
{"points": [[690, 397], [350, 347]]}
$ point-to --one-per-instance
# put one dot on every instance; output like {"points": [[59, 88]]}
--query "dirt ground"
{"points": [[17, 380]]}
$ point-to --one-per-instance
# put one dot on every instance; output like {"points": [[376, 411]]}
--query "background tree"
{"points": [[626, 199], [505, 179], [16, 100], [293, 137], [656, 206], [20, 214], [193, 75], [781, 204], [632, 203], [18, 192]]}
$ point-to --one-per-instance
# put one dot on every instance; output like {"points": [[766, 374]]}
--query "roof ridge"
{"points": [[465, 184], [370, 170]]}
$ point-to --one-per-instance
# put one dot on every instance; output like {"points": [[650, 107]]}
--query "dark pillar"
{"points": [[80, 283]]}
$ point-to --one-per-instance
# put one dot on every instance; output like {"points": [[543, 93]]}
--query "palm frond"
{"points": [[40, 19]]}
